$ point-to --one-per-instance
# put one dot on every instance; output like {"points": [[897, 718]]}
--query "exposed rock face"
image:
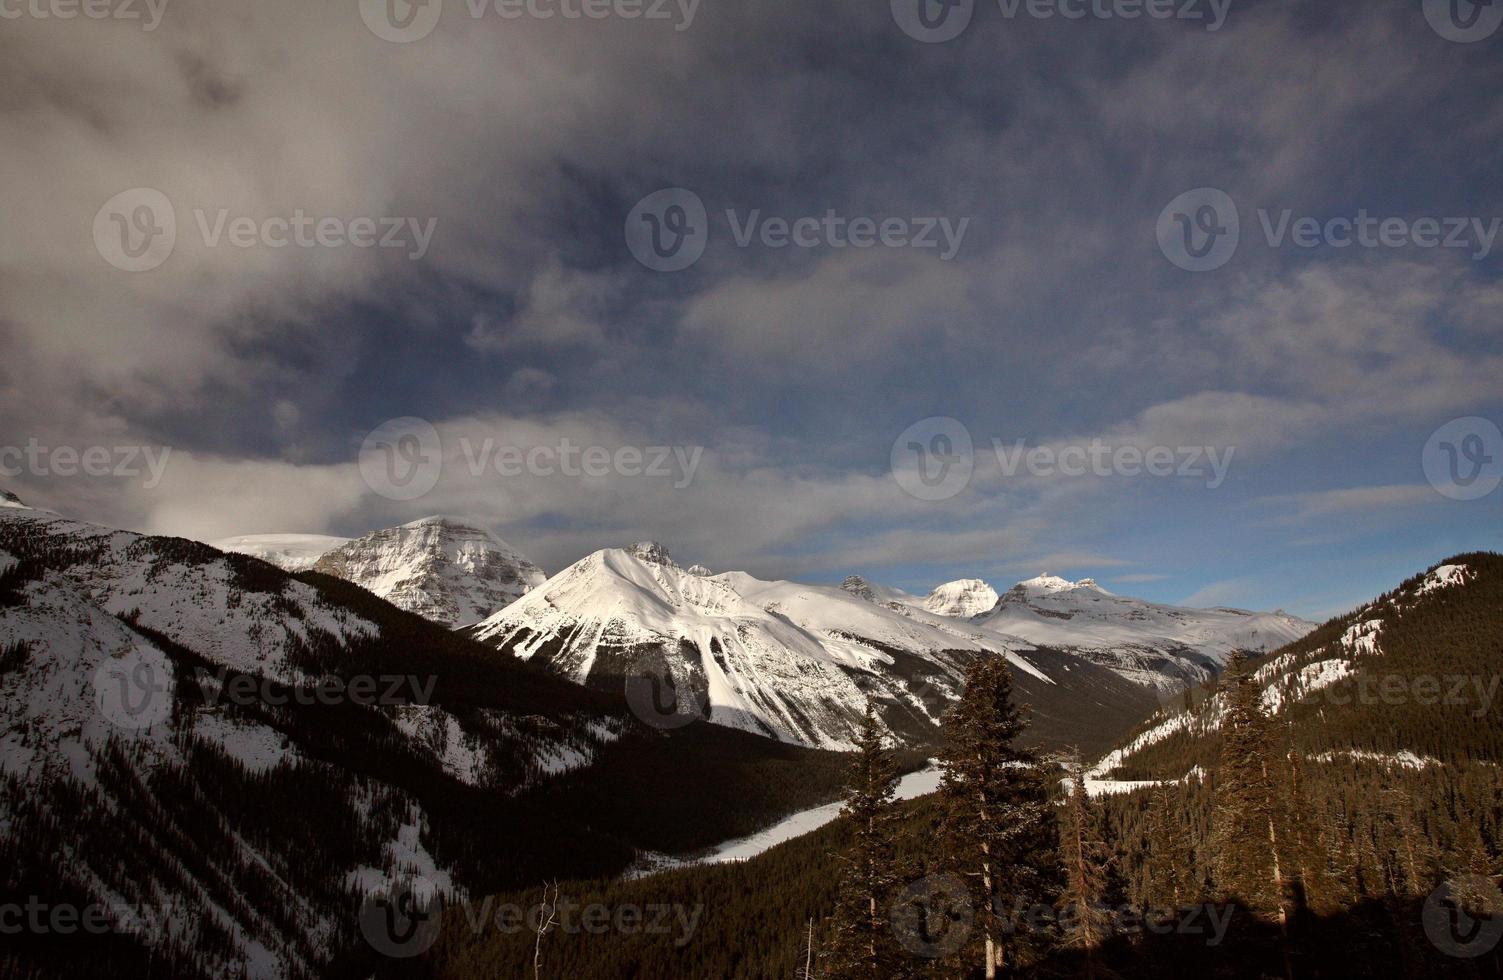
{"points": [[652, 553], [859, 587]]}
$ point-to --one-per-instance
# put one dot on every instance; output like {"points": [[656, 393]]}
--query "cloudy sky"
{"points": [[502, 157]]}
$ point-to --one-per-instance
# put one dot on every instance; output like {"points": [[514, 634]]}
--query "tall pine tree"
{"points": [[1085, 857], [998, 829], [1245, 842], [862, 944]]}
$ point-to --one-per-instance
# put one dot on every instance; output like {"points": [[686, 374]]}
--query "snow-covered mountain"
{"points": [[184, 742], [964, 598], [118, 656], [1407, 680], [792, 661], [1149, 643], [289, 552], [442, 569]]}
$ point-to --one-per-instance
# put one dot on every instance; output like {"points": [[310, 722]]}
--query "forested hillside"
{"points": [[1284, 825]]}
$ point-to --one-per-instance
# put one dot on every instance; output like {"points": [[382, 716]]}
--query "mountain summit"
{"points": [[965, 598], [795, 662], [442, 569], [1159, 645]]}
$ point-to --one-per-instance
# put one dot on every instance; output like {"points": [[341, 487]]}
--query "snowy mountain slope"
{"points": [[1402, 678], [791, 661], [238, 834], [224, 607], [289, 552], [1163, 646], [882, 595], [442, 569]]}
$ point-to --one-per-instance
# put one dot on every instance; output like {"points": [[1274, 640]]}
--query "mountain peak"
{"points": [[1049, 583], [451, 571], [652, 553], [964, 598], [443, 521], [859, 587], [8, 499]]}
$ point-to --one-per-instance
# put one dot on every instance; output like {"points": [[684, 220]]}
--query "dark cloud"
{"points": [[526, 142]]}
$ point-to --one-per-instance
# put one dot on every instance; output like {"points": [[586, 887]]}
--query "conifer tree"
{"points": [[998, 829], [1085, 858], [1245, 842], [1168, 861], [862, 944]]}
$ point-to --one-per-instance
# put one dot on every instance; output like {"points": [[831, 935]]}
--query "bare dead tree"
{"points": [[545, 925]]}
